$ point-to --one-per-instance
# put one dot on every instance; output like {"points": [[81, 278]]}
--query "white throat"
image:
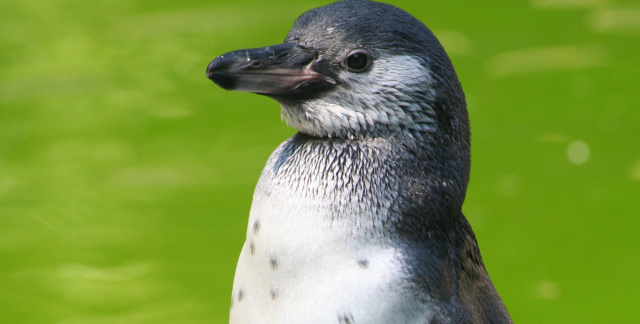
{"points": [[369, 105]]}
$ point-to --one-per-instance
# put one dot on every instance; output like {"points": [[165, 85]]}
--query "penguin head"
{"points": [[354, 69]]}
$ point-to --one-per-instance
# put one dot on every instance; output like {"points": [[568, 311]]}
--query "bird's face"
{"points": [[352, 69]]}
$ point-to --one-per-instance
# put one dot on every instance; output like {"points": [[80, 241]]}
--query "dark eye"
{"points": [[357, 61]]}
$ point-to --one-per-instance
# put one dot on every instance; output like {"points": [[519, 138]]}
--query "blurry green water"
{"points": [[126, 176]]}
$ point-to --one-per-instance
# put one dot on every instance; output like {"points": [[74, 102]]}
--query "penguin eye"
{"points": [[357, 61]]}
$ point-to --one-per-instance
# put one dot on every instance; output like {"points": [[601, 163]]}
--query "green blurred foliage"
{"points": [[126, 176]]}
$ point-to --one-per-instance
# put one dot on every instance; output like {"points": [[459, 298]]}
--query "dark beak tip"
{"points": [[211, 68], [224, 81]]}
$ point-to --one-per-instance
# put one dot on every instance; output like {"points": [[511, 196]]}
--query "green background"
{"points": [[126, 176]]}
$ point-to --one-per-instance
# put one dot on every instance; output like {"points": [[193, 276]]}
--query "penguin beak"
{"points": [[273, 70]]}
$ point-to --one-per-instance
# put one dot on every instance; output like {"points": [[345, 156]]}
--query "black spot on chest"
{"points": [[363, 263], [256, 227], [345, 318]]}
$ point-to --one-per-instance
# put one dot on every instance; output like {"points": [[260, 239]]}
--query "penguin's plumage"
{"points": [[357, 218]]}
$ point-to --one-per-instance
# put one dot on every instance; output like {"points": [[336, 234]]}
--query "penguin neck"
{"points": [[367, 183]]}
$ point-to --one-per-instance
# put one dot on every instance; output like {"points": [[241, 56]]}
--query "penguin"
{"points": [[357, 218]]}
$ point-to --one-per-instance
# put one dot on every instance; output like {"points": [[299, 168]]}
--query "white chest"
{"points": [[302, 263]]}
